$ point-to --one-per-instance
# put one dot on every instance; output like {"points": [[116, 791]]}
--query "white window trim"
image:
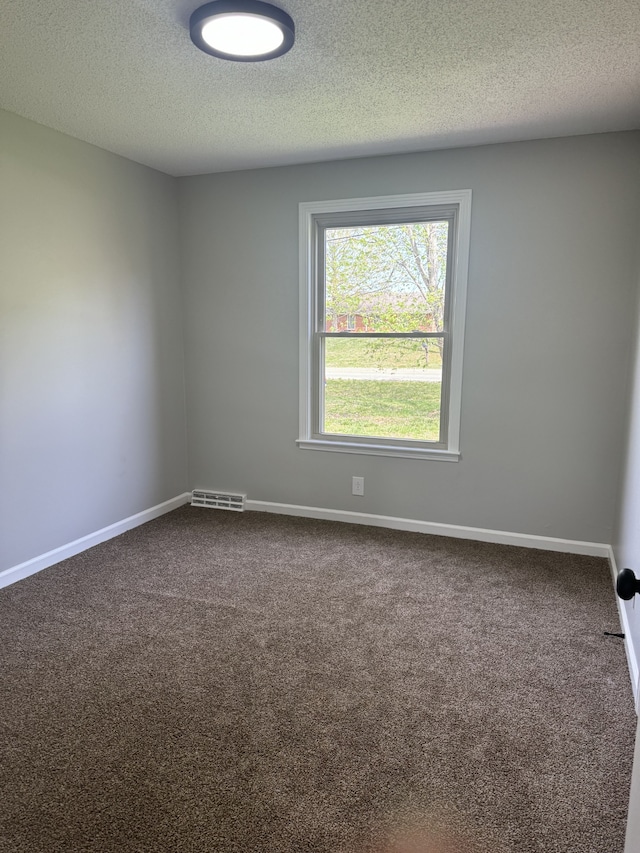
{"points": [[307, 210]]}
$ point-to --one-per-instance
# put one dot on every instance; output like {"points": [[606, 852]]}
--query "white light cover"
{"points": [[242, 35]]}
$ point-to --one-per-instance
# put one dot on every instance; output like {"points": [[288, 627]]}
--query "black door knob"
{"points": [[627, 585]]}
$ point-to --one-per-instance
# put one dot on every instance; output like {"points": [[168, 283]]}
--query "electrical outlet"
{"points": [[357, 485]]}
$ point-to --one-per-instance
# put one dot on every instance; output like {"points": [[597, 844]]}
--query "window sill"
{"points": [[379, 449]]}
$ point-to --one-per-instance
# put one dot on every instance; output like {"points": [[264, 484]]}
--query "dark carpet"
{"points": [[229, 682]]}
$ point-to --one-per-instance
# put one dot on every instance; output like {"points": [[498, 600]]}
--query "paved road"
{"points": [[401, 375]]}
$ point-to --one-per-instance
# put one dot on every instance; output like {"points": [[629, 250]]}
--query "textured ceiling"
{"points": [[364, 77]]}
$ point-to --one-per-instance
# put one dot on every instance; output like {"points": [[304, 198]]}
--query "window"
{"points": [[383, 290]]}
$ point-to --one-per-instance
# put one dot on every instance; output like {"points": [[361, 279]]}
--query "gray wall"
{"points": [[92, 425], [552, 282]]}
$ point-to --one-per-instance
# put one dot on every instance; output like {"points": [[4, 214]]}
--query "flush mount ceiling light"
{"points": [[242, 30]]}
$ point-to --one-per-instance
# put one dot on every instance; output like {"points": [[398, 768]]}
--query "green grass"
{"points": [[392, 354], [385, 409]]}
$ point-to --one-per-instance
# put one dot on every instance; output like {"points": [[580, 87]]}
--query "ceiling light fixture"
{"points": [[242, 30]]}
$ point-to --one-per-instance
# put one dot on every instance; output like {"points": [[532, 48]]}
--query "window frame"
{"points": [[314, 218]]}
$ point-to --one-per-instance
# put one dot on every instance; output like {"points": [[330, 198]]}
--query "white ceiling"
{"points": [[364, 77]]}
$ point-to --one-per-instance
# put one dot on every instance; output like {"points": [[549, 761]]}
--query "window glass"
{"points": [[382, 387]]}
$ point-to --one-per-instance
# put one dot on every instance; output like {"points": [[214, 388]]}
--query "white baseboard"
{"points": [[633, 659], [23, 570], [480, 534]]}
